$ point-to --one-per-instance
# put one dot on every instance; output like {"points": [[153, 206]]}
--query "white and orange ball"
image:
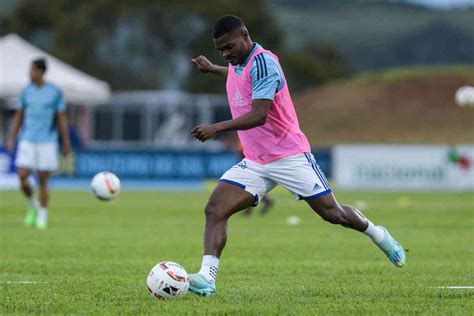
{"points": [[105, 185], [167, 279]]}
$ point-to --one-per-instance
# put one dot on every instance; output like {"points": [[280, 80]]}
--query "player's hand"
{"points": [[203, 64], [10, 144], [204, 132], [66, 150]]}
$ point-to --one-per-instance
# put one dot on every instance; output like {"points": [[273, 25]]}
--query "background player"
{"points": [[276, 150], [40, 113]]}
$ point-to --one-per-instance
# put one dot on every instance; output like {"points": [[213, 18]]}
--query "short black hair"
{"points": [[227, 24], [40, 63]]}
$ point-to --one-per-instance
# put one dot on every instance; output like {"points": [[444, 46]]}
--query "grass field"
{"points": [[94, 257]]}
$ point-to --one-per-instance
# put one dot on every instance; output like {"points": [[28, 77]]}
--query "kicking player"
{"points": [[41, 111], [275, 149], [266, 201]]}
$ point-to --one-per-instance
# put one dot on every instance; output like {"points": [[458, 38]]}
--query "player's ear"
{"points": [[244, 33]]}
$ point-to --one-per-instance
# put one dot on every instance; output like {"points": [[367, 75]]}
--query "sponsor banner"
{"points": [[168, 165], [142, 164], [8, 178], [404, 167], [193, 165]]}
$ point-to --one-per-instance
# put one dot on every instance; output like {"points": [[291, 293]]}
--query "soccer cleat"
{"points": [[30, 217], [200, 286], [266, 206], [393, 250], [41, 221]]}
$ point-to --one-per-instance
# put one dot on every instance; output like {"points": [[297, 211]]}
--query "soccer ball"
{"points": [[105, 185], [167, 280], [465, 96]]}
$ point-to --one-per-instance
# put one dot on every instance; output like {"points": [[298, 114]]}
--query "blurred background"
{"points": [[374, 84]]}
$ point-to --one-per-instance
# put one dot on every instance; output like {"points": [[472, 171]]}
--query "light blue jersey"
{"points": [[267, 78], [39, 105]]}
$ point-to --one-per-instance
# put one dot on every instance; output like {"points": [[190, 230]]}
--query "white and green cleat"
{"points": [[393, 249], [200, 286], [41, 221], [30, 217]]}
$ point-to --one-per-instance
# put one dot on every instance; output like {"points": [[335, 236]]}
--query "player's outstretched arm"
{"points": [[204, 65], [256, 117], [17, 121]]}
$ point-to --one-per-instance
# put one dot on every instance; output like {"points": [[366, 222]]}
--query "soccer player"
{"points": [[266, 201], [276, 151], [40, 113]]}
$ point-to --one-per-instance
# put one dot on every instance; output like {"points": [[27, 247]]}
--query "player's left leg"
{"points": [[42, 217], [47, 163], [239, 188], [330, 210], [226, 200]]}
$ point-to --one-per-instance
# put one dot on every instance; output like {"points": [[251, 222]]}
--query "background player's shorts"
{"points": [[37, 156], [299, 174]]}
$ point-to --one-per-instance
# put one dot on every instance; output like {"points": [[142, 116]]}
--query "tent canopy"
{"points": [[16, 56]]}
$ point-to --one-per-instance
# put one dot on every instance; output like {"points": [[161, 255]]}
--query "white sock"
{"points": [[209, 267], [42, 213], [375, 233], [32, 202]]}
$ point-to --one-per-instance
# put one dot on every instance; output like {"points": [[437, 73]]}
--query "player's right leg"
{"points": [[247, 211], [25, 162], [267, 205], [27, 190], [302, 176], [225, 200], [330, 210]]}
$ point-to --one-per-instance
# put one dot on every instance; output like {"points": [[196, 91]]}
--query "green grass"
{"points": [[94, 257]]}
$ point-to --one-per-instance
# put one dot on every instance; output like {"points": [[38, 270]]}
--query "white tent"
{"points": [[16, 55]]}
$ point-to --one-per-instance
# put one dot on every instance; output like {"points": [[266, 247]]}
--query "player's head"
{"points": [[38, 68], [232, 38]]}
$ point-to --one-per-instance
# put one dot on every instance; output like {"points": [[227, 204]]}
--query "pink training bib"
{"points": [[280, 136]]}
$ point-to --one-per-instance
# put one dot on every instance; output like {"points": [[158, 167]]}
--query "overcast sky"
{"points": [[444, 4]]}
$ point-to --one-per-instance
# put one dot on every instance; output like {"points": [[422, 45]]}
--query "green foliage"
{"points": [[142, 44], [436, 43], [313, 66], [135, 44], [94, 257], [148, 44], [379, 34]]}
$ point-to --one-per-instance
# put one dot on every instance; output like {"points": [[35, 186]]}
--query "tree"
{"points": [[313, 66], [136, 44]]}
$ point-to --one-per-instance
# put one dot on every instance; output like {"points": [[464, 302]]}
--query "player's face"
{"points": [[233, 46], [36, 74]]}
